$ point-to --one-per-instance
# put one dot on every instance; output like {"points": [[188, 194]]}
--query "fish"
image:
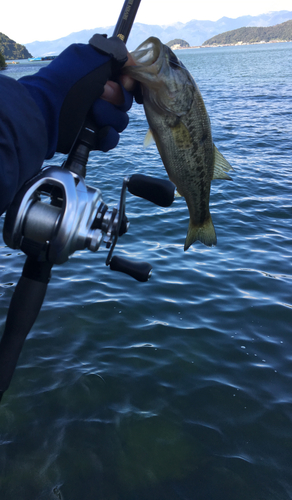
{"points": [[181, 128]]}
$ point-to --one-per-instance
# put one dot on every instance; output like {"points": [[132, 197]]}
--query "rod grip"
{"points": [[25, 305]]}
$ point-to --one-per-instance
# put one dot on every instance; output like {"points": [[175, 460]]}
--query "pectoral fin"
{"points": [[221, 166], [149, 139]]}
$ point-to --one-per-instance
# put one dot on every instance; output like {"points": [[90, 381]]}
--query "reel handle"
{"points": [[158, 191], [141, 271]]}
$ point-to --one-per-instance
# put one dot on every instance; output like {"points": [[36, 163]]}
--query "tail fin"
{"points": [[205, 233]]}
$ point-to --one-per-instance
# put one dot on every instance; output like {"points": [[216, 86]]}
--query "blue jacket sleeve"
{"points": [[23, 139]]}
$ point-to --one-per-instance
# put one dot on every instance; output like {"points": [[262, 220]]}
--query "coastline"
{"points": [[238, 44]]}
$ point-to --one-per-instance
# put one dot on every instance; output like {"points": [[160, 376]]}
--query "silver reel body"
{"points": [[56, 213]]}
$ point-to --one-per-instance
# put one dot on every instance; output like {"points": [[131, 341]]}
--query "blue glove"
{"points": [[105, 114], [69, 87]]}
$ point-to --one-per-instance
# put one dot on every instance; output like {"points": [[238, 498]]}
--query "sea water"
{"points": [[181, 387]]}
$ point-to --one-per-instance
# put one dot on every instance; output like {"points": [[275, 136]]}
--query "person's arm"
{"points": [[67, 88], [45, 111], [23, 138]]}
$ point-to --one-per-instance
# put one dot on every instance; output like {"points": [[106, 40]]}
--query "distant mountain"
{"points": [[280, 32], [12, 50], [194, 32], [177, 43]]}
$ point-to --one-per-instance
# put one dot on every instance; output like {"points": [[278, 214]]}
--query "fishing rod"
{"points": [[55, 214], [126, 19]]}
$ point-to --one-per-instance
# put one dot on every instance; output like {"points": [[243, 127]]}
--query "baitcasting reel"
{"points": [[56, 213]]}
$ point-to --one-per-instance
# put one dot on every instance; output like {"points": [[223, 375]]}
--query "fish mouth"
{"points": [[148, 52]]}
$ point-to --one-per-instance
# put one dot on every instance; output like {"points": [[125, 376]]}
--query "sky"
{"points": [[26, 21]]}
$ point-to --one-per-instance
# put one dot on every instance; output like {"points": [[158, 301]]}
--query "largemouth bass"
{"points": [[180, 126]]}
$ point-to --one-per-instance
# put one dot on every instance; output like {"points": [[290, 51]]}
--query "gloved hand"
{"points": [[104, 114], [70, 86]]}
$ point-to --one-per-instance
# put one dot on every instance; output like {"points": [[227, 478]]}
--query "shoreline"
{"points": [[238, 44]]}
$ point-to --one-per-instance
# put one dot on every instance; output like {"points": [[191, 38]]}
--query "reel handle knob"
{"points": [[158, 191], [141, 271]]}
